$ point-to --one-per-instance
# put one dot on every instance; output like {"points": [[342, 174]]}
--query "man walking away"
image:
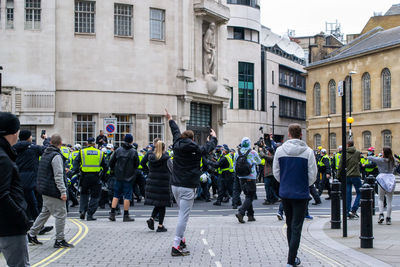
{"points": [[53, 186], [186, 177], [296, 169], [13, 218], [245, 163], [124, 162]]}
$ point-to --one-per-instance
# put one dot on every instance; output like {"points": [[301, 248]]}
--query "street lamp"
{"points": [[273, 107], [351, 98], [1, 68], [329, 134]]}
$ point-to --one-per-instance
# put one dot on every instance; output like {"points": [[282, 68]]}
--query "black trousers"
{"points": [[90, 196], [32, 209], [249, 189], [160, 211], [295, 210], [139, 184], [225, 186], [237, 190], [324, 183]]}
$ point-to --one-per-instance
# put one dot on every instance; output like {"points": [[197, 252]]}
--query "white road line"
{"points": [[218, 264], [202, 232], [205, 242], [211, 253]]}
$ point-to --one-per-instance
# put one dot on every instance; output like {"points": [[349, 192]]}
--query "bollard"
{"points": [[370, 179], [335, 205], [366, 231]]}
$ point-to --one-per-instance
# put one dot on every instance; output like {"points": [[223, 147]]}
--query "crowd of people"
{"points": [[42, 180]]}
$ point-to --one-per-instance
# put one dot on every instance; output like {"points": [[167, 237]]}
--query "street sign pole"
{"points": [[343, 159]]}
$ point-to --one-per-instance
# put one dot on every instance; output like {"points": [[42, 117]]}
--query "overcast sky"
{"points": [[308, 17]]}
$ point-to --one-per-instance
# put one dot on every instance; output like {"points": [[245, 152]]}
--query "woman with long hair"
{"points": [[386, 181], [158, 185]]}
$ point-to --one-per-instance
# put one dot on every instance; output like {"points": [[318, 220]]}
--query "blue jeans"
{"points": [[356, 181]]}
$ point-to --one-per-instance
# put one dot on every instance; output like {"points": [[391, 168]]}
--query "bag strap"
{"points": [[248, 152]]}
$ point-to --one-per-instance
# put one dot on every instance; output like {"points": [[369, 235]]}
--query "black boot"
{"points": [[90, 217], [111, 216]]}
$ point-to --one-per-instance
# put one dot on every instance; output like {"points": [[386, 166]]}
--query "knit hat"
{"points": [[226, 148], [128, 138], [245, 142], [24, 135], [9, 123]]}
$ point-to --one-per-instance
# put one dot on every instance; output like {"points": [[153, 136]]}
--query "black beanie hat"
{"points": [[24, 135], [9, 123]]}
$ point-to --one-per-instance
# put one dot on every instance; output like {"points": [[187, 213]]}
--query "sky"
{"points": [[308, 17]]}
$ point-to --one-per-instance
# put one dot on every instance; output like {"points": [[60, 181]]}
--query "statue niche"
{"points": [[210, 58]]}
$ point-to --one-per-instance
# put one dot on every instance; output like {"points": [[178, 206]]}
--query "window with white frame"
{"points": [[317, 99], [32, 14], [10, 14], [85, 127], [366, 139], [123, 19], [85, 12], [157, 24], [124, 126], [332, 97], [366, 91], [317, 140], [332, 140], [386, 89], [156, 128], [387, 138]]}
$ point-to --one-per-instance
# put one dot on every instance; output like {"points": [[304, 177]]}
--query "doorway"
{"points": [[200, 121]]}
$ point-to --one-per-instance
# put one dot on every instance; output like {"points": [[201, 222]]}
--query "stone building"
{"points": [[375, 92], [68, 65]]}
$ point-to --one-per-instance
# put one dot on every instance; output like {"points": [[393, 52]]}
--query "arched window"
{"points": [[366, 91], [387, 138], [332, 97], [317, 99], [366, 139], [317, 140], [386, 89], [332, 140], [348, 95]]}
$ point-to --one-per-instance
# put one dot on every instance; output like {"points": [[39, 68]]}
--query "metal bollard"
{"points": [[366, 231], [372, 182], [335, 204]]}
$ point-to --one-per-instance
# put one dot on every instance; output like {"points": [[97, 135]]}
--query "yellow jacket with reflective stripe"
{"points": [[230, 168], [337, 160], [91, 159], [140, 161]]}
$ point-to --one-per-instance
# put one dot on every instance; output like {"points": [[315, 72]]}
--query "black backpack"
{"points": [[243, 167]]}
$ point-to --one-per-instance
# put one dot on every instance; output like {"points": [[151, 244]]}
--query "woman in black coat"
{"points": [[158, 185]]}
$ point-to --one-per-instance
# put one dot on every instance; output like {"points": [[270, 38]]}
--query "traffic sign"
{"points": [[110, 125], [340, 88]]}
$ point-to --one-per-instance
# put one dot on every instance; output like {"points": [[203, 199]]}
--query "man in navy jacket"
{"points": [[295, 168]]}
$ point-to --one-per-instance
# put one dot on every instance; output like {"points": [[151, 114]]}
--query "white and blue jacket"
{"points": [[295, 168]]}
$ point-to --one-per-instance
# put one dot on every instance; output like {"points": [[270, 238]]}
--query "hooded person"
{"points": [[245, 164]]}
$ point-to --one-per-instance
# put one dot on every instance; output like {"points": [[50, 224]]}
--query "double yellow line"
{"points": [[82, 232]]}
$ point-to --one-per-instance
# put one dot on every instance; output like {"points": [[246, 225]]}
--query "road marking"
{"points": [[211, 253], [61, 251], [205, 242], [202, 232], [218, 264]]}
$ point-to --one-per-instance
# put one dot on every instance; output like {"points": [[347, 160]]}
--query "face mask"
{"points": [[370, 154], [108, 151]]}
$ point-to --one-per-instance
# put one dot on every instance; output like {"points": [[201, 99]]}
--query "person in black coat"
{"points": [[14, 222], [158, 185]]}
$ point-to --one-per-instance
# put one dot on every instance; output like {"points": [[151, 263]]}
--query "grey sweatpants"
{"points": [[15, 250], [184, 198], [57, 208]]}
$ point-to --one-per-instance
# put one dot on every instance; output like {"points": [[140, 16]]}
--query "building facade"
{"points": [[374, 104]]}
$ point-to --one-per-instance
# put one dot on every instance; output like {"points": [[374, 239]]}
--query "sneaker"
{"points": [[62, 244], [388, 221], [45, 230], [350, 216], [161, 229], [90, 218], [175, 252], [111, 216], [82, 215], [183, 244], [33, 240], [127, 218], [381, 218], [251, 218], [240, 218], [280, 216], [309, 217], [150, 223], [354, 213], [217, 203], [297, 261]]}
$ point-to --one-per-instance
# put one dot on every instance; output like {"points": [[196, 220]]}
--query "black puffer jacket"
{"points": [[13, 218], [187, 156], [28, 162], [124, 163], [158, 182]]}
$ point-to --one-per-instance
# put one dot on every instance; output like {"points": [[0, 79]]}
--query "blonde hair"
{"points": [[160, 149]]}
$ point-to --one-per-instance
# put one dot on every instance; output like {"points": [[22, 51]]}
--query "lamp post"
{"points": [[350, 100], [329, 134], [273, 107], [1, 68]]}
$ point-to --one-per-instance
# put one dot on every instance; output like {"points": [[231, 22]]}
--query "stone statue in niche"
{"points": [[209, 58]]}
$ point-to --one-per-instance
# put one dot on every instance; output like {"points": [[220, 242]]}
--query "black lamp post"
{"points": [[351, 101], [1, 68], [329, 134], [273, 107]]}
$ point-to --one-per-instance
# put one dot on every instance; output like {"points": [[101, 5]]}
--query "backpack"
{"points": [[243, 167]]}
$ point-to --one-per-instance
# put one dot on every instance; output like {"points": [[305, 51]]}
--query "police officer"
{"points": [[91, 162], [324, 169], [335, 162], [225, 175]]}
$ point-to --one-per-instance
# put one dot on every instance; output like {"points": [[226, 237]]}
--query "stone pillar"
{"points": [[141, 130]]}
